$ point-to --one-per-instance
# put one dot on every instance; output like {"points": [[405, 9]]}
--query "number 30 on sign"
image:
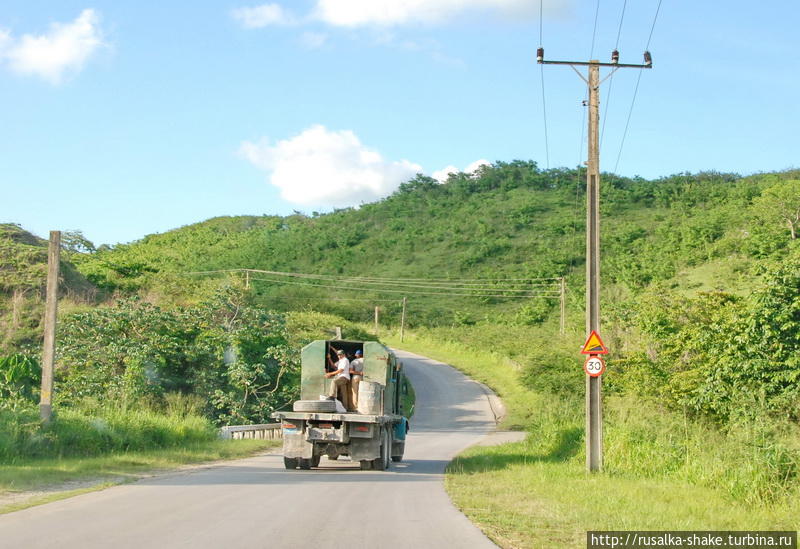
{"points": [[594, 366]]}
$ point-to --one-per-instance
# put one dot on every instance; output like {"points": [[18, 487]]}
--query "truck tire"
{"points": [[382, 462], [325, 406], [315, 461], [305, 464], [334, 457], [398, 449], [290, 463]]}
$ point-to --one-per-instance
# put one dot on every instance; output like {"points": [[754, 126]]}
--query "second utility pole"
{"points": [[594, 408]]}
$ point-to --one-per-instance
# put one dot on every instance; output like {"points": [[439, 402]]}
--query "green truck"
{"points": [[374, 435]]}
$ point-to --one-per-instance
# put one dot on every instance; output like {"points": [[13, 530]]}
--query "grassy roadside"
{"points": [[536, 493], [48, 474]]}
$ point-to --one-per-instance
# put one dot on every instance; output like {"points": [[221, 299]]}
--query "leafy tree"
{"points": [[781, 201]]}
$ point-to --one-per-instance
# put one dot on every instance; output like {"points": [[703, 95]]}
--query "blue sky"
{"points": [[123, 119]]}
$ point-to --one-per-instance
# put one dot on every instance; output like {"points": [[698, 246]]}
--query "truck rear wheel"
{"points": [[398, 449], [382, 462], [315, 461], [290, 463], [305, 464]]}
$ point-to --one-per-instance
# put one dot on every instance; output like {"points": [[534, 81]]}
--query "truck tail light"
{"points": [[362, 428]]}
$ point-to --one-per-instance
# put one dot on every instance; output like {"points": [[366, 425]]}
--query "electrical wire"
{"points": [[393, 279], [319, 299], [611, 79], [594, 29], [653, 26], [393, 291], [636, 89], [544, 99]]}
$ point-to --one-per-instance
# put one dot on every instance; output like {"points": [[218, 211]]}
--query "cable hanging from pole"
{"points": [[544, 99], [614, 55], [636, 88], [393, 291]]}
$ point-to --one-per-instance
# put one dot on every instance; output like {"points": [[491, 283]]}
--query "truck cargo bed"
{"points": [[346, 417]]}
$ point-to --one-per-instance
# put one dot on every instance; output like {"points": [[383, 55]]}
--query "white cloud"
{"points": [[444, 174], [474, 166], [326, 168], [353, 13], [313, 40], [5, 41], [64, 49], [258, 17]]}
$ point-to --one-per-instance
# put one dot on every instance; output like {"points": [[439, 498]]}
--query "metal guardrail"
{"points": [[262, 431]]}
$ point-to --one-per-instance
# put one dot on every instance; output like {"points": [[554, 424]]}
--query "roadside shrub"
{"points": [[97, 430], [234, 357], [557, 371]]}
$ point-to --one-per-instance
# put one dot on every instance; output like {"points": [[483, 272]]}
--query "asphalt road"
{"points": [[256, 503]]}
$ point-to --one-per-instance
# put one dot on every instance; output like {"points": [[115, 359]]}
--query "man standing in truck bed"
{"points": [[341, 380], [356, 375]]}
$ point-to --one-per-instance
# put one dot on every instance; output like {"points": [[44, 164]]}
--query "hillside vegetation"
{"points": [[700, 307]]}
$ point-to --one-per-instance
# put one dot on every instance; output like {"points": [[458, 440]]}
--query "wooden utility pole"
{"points": [[403, 321], [376, 320], [50, 317], [594, 408]]}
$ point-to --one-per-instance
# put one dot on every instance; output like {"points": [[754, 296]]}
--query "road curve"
{"points": [[256, 503]]}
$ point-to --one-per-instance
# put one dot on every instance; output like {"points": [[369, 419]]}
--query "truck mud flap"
{"points": [[296, 446], [365, 448]]}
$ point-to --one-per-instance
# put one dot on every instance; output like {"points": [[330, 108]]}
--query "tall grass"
{"points": [[94, 429]]}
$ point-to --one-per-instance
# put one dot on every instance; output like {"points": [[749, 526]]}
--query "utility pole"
{"points": [[403, 321], [376, 320], [50, 317], [594, 409]]}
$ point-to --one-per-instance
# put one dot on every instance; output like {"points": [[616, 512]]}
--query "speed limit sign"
{"points": [[594, 366]]}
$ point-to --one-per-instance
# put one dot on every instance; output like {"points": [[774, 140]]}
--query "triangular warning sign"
{"points": [[594, 345]]}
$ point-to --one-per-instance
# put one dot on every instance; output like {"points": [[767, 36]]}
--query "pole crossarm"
{"points": [[597, 64], [648, 61]]}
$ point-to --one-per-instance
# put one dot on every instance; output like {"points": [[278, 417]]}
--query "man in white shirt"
{"points": [[356, 375], [341, 380]]}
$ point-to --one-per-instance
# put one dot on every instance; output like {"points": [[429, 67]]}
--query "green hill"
{"points": [[23, 277], [681, 255], [692, 232]]}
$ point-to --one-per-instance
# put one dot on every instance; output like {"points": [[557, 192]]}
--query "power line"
{"points": [[611, 79], [653, 26], [375, 278], [403, 292], [594, 29], [621, 19], [323, 299], [636, 89], [544, 100]]}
